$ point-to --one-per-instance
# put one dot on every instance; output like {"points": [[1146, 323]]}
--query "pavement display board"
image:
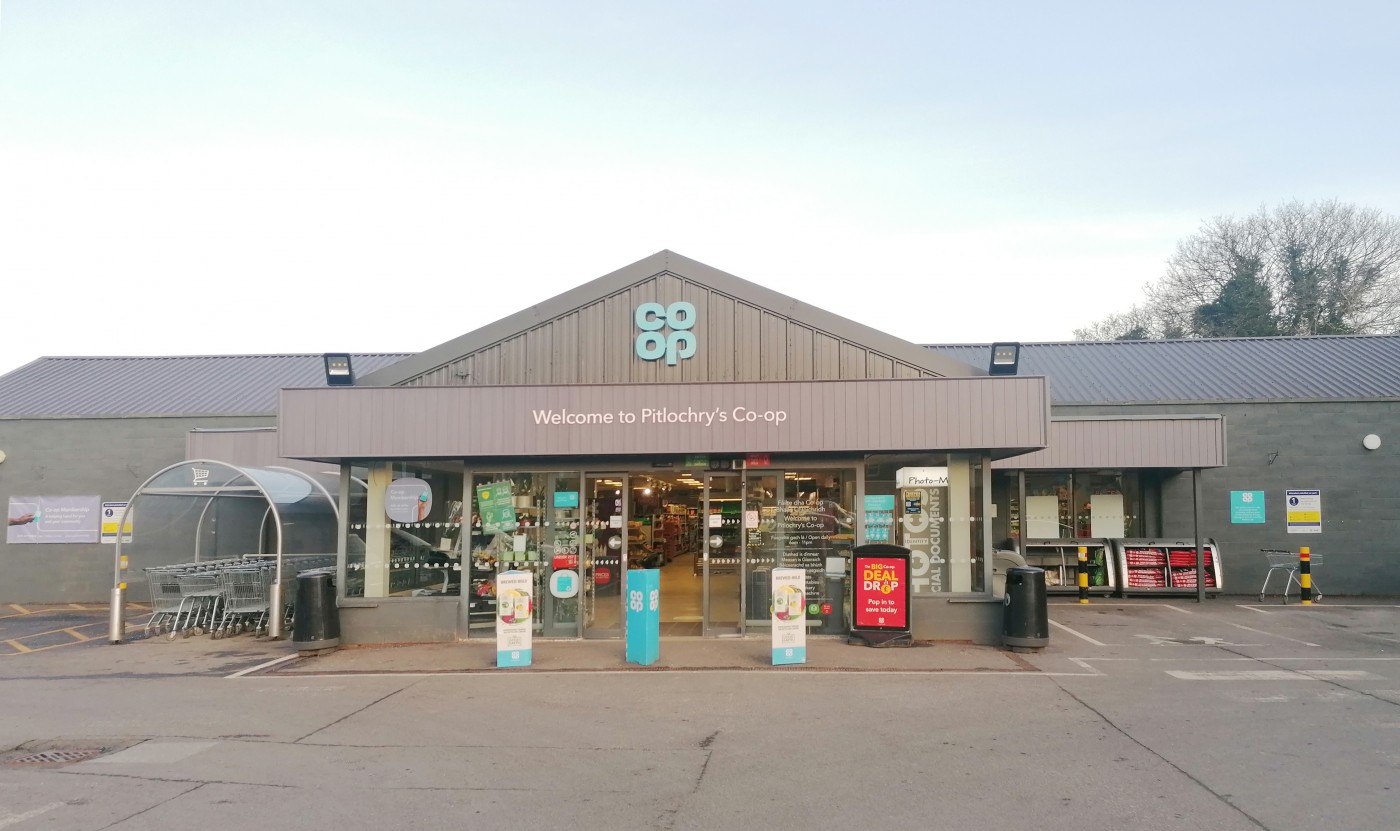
{"points": [[789, 616], [515, 618], [880, 613]]}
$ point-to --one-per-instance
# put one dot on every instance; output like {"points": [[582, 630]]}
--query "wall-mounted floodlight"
{"points": [[338, 370], [1005, 358]]}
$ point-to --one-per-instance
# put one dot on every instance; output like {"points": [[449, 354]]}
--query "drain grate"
{"points": [[56, 757]]}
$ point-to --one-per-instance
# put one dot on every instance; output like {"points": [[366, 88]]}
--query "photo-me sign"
{"points": [[923, 504], [666, 331]]}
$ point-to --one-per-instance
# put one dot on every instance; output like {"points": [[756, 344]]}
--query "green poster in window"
{"points": [[496, 504]]}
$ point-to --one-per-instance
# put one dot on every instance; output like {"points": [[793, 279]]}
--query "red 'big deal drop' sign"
{"points": [[881, 592]]}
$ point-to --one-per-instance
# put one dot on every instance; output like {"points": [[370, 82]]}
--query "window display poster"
{"points": [[879, 518], [1043, 517], [54, 519], [515, 610], [408, 500], [1304, 511], [789, 616], [880, 595], [496, 505], [1247, 507], [1106, 516]]}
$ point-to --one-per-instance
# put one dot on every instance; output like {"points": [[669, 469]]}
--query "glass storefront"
{"points": [[419, 530], [1069, 504]]}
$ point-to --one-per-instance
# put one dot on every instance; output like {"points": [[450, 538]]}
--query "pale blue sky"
{"points": [[238, 177]]}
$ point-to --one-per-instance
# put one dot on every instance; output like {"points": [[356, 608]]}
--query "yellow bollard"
{"points": [[1083, 574]]}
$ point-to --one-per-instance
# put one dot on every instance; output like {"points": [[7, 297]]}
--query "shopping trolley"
{"points": [[247, 599], [167, 601], [1280, 560]]}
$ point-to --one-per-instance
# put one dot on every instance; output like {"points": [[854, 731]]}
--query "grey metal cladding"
{"points": [[1176, 442], [1328, 367], [746, 333], [1008, 414], [163, 386]]}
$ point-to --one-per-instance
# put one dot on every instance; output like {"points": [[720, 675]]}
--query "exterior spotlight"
{"points": [[1005, 358], [338, 370]]}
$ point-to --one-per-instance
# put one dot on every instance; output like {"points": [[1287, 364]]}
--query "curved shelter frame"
{"points": [[203, 509]]}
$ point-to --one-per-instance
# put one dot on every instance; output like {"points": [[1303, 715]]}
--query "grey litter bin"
{"points": [[834, 623], [316, 619], [1025, 618], [760, 594]]}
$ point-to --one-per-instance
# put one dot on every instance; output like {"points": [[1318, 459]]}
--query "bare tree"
{"points": [[1322, 268]]}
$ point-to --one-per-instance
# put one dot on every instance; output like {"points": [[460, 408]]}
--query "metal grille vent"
{"points": [[56, 757]]}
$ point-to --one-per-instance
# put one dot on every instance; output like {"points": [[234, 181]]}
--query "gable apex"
{"points": [[742, 332]]}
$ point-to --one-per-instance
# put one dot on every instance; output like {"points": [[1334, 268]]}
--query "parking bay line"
{"points": [[1273, 675], [1079, 635]]}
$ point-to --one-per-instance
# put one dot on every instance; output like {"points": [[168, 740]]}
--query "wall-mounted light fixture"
{"points": [[1371, 441], [339, 373], [1005, 358]]}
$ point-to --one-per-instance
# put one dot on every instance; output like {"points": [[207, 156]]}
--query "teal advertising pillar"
{"points": [[643, 616]]}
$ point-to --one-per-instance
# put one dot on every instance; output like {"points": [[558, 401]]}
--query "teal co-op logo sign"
{"points": [[666, 331]]}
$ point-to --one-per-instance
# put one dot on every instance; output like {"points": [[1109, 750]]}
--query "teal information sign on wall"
{"points": [[1247, 507]]}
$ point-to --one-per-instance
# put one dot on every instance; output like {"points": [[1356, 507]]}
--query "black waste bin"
{"points": [[1025, 618], [316, 619]]}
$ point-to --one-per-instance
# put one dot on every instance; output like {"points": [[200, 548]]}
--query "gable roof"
{"points": [[198, 385], [673, 264], [1315, 368]]}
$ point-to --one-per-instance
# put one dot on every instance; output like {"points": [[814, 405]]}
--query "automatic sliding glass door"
{"points": [[604, 553], [723, 554]]}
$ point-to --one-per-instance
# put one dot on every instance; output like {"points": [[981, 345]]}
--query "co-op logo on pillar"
{"points": [[666, 331]]}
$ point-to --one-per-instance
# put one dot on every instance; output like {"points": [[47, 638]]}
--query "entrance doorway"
{"points": [[665, 521], [723, 560]]}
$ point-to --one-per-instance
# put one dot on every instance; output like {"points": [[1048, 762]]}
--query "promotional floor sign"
{"points": [[880, 578], [789, 615], [515, 611]]}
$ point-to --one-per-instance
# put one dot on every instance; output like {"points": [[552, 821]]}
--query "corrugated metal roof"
{"points": [[1218, 369], [166, 386]]}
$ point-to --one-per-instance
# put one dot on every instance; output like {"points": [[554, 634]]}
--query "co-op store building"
{"points": [[1113, 459], [671, 415]]}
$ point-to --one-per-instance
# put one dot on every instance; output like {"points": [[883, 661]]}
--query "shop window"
{"points": [[526, 521], [932, 505], [405, 530], [1049, 511]]}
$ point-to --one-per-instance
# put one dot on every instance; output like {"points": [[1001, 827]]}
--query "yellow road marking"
{"points": [[76, 634], [19, 647], [21, 609]]}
